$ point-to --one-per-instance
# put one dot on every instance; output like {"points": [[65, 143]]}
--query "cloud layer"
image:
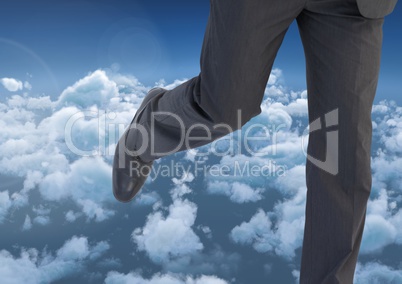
{"points": [[62, 150], [34, 267]]}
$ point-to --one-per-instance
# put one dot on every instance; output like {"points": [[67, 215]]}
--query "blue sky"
{"points": [[151, 40], [59, 222]]}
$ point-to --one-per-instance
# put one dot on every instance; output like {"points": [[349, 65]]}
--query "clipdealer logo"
{"points": [[107, 132]]}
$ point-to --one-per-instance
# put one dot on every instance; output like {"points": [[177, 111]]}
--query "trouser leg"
{"points": [[240, 44], [343, 56]]}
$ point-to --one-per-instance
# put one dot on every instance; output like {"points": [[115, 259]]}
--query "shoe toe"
{"points": [[129, 172], [124, 187]]}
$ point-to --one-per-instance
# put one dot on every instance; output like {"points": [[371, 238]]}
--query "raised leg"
{"points": [[239, 48]]}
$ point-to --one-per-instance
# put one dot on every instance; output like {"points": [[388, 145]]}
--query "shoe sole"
{"points": [[144, 104]]}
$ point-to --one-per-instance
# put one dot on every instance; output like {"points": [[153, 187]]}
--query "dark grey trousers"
{"points": [[342, 50]]}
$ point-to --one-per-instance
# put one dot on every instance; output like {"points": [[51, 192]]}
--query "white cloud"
{"points": [[109, 263], [384, 215], [376, 273], [114, 277], [282, 237], [94, 89], [126, 84], [276, 92], [30, 103], [15, 201], [191, 154], [243, 193], [72, 216], [290, 225], [41, 103], [42, 220], [27, 85], [386, 171], [27, 223], [181, 188], [33, 178], [5, 204], [257, 232], [42, 217], [147, 198], [170, 86], [237, 192], [297, 108], [378, 233], [75, 248], [170, 239], [94, 211], [11, 84], [87, 182], [387, 116], [383, 224], [166, 238], [275, 117], [34, 267], [206, 230], [380, 108], [41, 210], [275, 76], [292, 181]]}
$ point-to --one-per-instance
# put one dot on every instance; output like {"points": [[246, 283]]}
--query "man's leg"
{"points": [[240, 44], [343, 55]]}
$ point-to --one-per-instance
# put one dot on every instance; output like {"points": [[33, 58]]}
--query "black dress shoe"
{"points": [[129, 171]]}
